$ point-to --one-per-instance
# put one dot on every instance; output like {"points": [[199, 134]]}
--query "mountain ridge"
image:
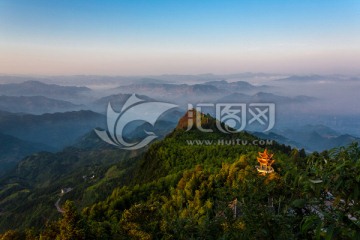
{"points": [[36, 104]]}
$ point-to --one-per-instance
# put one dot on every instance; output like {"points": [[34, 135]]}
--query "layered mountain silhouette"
{"points": [[36, 88], [238, 86], [174, 90], [116, 100], [36, 105], [264, 97], [56, 130], [310, 137], [13, 149]]}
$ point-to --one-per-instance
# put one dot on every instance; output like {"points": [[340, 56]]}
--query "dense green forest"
{"points": [[174, 190]]}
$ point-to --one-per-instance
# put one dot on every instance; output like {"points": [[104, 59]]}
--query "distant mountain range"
{"points": [[315, 78], [239, 86], [85, 80], [13, 149], [310, 137], [56, 130], [116, 100], [174, 91], [264, 97], [303, 78], [24, 134], [36, 105], [186, 93], [36, 88]]}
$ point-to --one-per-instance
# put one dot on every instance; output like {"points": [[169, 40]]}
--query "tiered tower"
{"points": [[266, 160]]}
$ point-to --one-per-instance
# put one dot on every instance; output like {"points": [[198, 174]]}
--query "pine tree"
{"points": [[72, 225]]}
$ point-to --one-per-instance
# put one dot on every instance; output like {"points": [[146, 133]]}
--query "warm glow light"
{"points": [[265, 160]]}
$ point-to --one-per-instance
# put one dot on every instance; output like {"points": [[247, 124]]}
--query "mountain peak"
{"points": [[191, 117]]}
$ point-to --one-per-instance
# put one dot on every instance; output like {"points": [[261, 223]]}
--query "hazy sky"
{"points": [[186, 36]]}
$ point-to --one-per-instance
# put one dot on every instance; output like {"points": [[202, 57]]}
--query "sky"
{"points": [[137, 37]]}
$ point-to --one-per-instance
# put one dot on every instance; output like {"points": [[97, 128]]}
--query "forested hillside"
{"points": [[179, 191]]}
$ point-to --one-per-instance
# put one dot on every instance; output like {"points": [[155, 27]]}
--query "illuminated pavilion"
{"points": [[265, 160]]}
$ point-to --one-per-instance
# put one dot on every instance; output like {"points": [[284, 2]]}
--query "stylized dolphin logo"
{"points": [[134, 109]]}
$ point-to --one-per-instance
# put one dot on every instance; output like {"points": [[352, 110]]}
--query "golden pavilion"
{"points": [[265, 160]]}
